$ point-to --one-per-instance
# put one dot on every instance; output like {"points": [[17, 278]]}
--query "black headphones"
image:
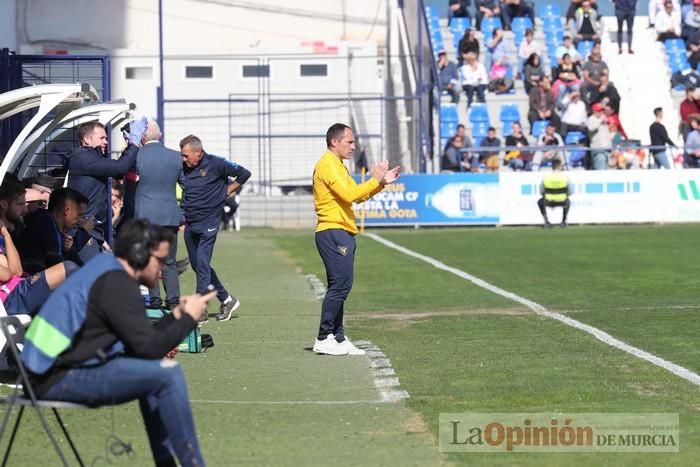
{"points": [[140, 251]]}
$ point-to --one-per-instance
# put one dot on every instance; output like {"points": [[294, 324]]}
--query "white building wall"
{"points": [[87, 26], [8, 35]]}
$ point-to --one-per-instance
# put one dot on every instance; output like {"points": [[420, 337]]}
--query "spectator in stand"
{"points": [[44, 239], [592, 70], [516, 9], [654, 6], [659, 137], [472, 159], [497, 49], [542, 103], [692, 150], [693, 44], [452, 157], [469, 43], [518, 159], [458, 9], [474, 79], [528, 47], [611, 114], [567, 47], [624, 12], [448, 76], [487, 9], [567, 78], [574, 5], [490, 158], [499, 82], [585, 26], [532, 72], [549, 137], [599, 134], [690, 107], [606, 94], [667, 22], [574, 116], [691, 21]]}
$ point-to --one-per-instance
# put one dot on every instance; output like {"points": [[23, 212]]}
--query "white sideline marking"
{"points": [[540, 310], [349, 402]]}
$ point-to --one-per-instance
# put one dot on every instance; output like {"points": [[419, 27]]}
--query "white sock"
{"points": [[228, 299]]}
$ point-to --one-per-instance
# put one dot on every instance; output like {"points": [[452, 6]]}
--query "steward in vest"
{"points": [[92, 343], [555, 190]]}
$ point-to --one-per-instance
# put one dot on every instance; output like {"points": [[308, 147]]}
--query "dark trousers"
{"points": [[480, 91], [162, 394], [199, 240], [337, 250], [171, 282], [622, 17], [543, 204]]}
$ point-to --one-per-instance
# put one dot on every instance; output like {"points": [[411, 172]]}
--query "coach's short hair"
{"points": [[657, 111], [192, 141], [87, 128], [336, 131]]}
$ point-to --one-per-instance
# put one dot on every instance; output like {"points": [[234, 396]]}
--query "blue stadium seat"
{"points": [[477, 141], [479, 113], [448, 113], [433, 24], [575, 156], [584, 49], [480, 130], [448, 128], [431, 12], [488, 25], [553, 36], [519, 37], [548, 10], [521, 24], [459, 25], [507, 129], [509, 113], [674, 44], [538, 127], [679, 66], [553, 24]]}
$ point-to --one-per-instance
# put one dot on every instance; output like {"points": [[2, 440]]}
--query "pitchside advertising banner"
{"points": [[511, 198], [434, 200]]}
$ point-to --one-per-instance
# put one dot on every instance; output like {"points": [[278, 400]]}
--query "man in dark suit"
{"points": [[160, 169]]}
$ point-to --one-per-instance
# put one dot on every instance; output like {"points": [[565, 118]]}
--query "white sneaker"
{"points": [[329, 346], [350, 347]]}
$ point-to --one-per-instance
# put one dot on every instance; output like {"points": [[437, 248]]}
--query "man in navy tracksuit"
{"points": [[89, 169], [205, 188]]}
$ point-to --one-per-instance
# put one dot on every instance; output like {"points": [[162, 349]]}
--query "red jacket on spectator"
{"points": [[688, 108]]}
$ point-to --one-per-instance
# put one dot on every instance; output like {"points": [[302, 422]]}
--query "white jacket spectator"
{"points": [[574, 110], [474, 75], [529, 46], [668, 21]]}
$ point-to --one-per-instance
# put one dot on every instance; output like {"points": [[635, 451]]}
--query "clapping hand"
{"points": [[391, 175], [379, 170]]}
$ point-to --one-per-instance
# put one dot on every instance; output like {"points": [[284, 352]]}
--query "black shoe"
{"points": [[547, 225], [227, 309], [563, 224], [182, 265]]}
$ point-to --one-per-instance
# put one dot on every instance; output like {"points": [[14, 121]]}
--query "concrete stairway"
{"points": [[642, 79]]}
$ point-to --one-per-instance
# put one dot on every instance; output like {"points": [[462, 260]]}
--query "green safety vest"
{"points": [[556, 187]]}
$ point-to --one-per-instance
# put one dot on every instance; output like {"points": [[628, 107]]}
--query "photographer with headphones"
{"points": [[92, 343]]}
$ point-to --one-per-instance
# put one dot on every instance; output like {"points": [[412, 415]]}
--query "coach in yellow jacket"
{"points": [[334, 192]]}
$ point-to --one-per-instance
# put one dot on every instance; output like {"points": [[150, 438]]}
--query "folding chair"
{"points": [[13, 331]]}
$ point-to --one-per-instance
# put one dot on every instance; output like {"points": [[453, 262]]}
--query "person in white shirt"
{"points": [[474, 79], [549, 137], [574, 116], [668, 22], [528, 47], [567, 47]]}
